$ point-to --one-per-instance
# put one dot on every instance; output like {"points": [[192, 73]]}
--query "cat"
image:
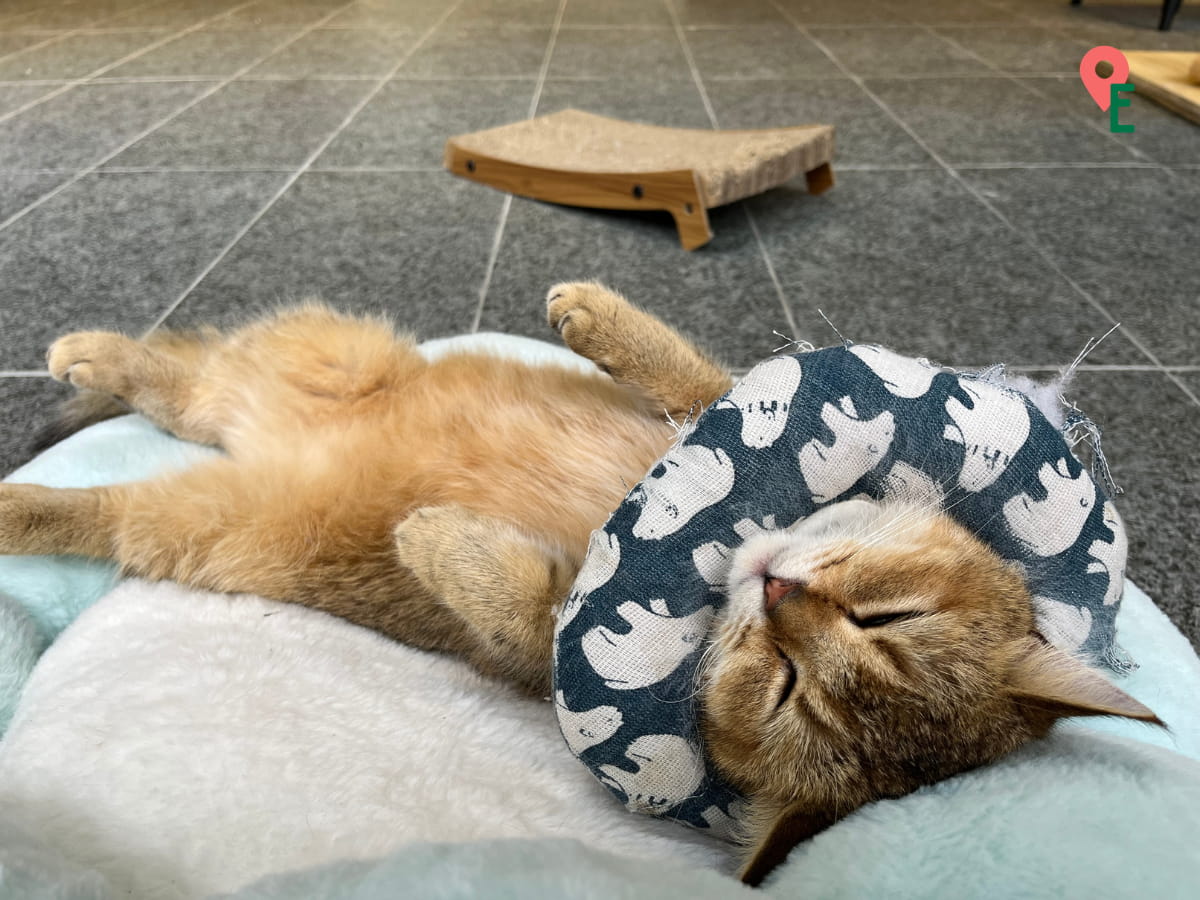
{"points": [[449, 504]]}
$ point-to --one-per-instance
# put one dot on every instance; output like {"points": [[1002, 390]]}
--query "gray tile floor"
{"points": [[176, 161]]}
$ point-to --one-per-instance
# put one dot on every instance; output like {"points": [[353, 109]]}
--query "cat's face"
{"points": [[869, 650], [863, 653]]}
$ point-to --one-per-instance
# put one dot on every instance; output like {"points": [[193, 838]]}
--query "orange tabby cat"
{"points": [[448, 504]]}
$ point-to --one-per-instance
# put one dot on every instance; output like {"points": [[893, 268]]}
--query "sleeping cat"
{"points": [[866, 651]]}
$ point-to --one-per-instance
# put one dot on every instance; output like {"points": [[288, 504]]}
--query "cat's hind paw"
{"points": [[95, 360], [476, 564]]}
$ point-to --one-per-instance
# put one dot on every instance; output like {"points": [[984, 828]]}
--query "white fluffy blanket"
{"points": [[184, 743]]}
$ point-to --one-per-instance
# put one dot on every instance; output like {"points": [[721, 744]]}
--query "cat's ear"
{"points": [[790, 827], [1052, 685]]}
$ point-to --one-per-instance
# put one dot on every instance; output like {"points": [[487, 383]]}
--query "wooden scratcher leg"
{"points": [[691, 220], [820, 179]]}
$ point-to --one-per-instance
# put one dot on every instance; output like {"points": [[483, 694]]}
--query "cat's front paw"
{"points": [[592, 320], [96, 360]]}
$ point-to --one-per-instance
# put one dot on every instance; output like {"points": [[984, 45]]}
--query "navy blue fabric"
{"points": [[800, 432]]}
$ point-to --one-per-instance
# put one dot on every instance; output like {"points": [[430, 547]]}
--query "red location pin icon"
{"points": [[1099, 87]]}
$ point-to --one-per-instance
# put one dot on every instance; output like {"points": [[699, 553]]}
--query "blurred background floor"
{"points": [[169, 162]]}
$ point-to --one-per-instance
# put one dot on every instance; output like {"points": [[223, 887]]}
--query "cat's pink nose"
{"points": [[775, 589]]}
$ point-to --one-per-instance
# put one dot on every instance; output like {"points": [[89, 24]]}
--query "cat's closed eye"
{"points": [[789, 683], [879, 621]]}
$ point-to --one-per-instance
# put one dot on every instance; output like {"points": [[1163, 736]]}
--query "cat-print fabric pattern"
{"points": [[797, 433]]}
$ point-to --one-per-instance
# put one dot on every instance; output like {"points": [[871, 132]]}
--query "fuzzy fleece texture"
{"points": [[177, 743]]}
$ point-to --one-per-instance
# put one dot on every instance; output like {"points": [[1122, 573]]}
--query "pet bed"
{"points": [[177, 743], [582, 159]]}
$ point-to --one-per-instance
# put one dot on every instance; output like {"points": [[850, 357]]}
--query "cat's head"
{"points": [[869, 650]]}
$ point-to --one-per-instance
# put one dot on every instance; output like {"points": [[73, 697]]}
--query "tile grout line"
{"points": [[506, 206], [204, 95], [21, 51], [583, 26], [781, 296], [95, 73], [843, 167], [490, 267], [59, 36], [957, 176], [997, 75], [559, 79], [308, 160], [905, 76]]}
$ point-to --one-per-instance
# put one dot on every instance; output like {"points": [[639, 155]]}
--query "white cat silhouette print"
{"points": [[588, 728], [1048, 527], [720, 823], [1063, 625], [685, 481], [669, 771], [991, 432], [713, 560], [858, 447], [901, 375], [764, 398], [600, 564], [650, 651], [1109, 558], [909, 485]]}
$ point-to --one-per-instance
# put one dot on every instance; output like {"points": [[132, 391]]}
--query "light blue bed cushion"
{"points": [[1102, 808]]}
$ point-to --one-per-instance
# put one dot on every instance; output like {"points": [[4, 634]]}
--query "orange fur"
{"points": [[337, 431]]}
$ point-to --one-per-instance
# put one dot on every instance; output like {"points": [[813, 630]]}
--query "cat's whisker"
{"points": [[903, 516]]}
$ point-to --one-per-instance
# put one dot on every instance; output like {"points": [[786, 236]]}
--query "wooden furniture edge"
{"points": [[1182, 99], [677, 192]]}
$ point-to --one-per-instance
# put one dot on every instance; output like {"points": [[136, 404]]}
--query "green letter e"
{"points": [[1115, 103]]}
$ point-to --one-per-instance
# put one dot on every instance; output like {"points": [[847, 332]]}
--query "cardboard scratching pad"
{"points": [[1166, 77], [581, 159]]}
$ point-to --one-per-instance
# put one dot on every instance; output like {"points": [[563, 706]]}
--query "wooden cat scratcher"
{"points": [[1169, 78], [580, 159]]}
